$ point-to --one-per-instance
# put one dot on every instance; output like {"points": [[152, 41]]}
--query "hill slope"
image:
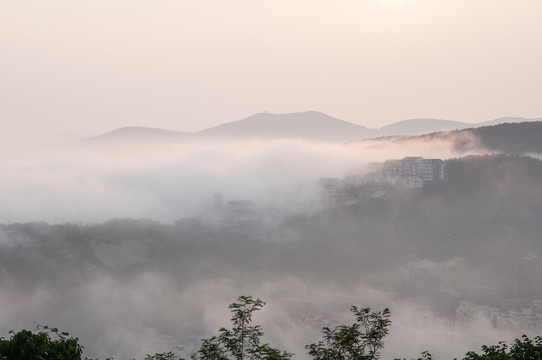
{"points": [[138, 134], [425, 126], [421, 126], [310, 125], [508, 138], [517, 138], [504, 120]]}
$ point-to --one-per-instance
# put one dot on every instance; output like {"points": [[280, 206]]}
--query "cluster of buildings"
{"points": [[349, 191], [515, 304], [411, 172], [408, 173], [511, 316], [241, 215], [522, 309]]}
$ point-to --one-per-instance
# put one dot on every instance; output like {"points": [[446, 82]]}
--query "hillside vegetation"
{"points": [[473, 225]]}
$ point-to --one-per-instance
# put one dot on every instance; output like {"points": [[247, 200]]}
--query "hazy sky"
{"points": [[90, 66]]}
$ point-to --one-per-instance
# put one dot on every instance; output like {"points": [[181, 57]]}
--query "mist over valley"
{"points": [[127, 243], [270, 180]]}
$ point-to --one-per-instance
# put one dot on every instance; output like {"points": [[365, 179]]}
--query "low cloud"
{"points": [[168, 181]]}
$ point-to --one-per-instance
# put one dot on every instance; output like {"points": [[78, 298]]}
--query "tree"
{"points": [[426, 355], [521, 349], [359, 341], [161, 356], [243, 341], [46, 344]]}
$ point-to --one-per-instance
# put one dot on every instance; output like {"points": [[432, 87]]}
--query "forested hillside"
{"points": [[508, 138], [484, 215], [484, 201]]}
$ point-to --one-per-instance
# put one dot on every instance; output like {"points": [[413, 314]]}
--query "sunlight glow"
{"points": [[393, 2]]}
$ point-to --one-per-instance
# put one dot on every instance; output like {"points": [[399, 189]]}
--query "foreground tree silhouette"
{"points": [[521, 349], [243, 341], [46, 344], [160, 356], [359, 341]]}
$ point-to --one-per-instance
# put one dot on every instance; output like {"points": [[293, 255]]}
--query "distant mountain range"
{"points": [[310, 125], [306, 125], [139, 134]]}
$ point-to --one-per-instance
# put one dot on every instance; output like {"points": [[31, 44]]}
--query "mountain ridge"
{"points": [[308, 125], [506, 138], [139, 133]]}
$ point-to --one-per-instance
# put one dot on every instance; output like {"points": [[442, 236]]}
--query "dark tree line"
{"points": [[361, 340]]}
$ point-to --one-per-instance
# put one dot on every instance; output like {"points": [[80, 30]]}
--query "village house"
{"points": [[412, 172], [241, 215]]}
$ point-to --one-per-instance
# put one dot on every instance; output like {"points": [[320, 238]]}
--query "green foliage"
{"points": [[426, 355], [362, 340], [243, 341], [521, 349], [161, 356], [359, 341], [46, 344]]}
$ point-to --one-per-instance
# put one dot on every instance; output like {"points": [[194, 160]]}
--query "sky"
{"points": [[89, 67]]}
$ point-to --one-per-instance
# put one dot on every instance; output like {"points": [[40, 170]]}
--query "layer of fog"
{"points": [[168, 181], [110, 317]]}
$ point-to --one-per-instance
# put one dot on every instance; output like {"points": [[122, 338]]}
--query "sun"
{"points": [[393, 2]]}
